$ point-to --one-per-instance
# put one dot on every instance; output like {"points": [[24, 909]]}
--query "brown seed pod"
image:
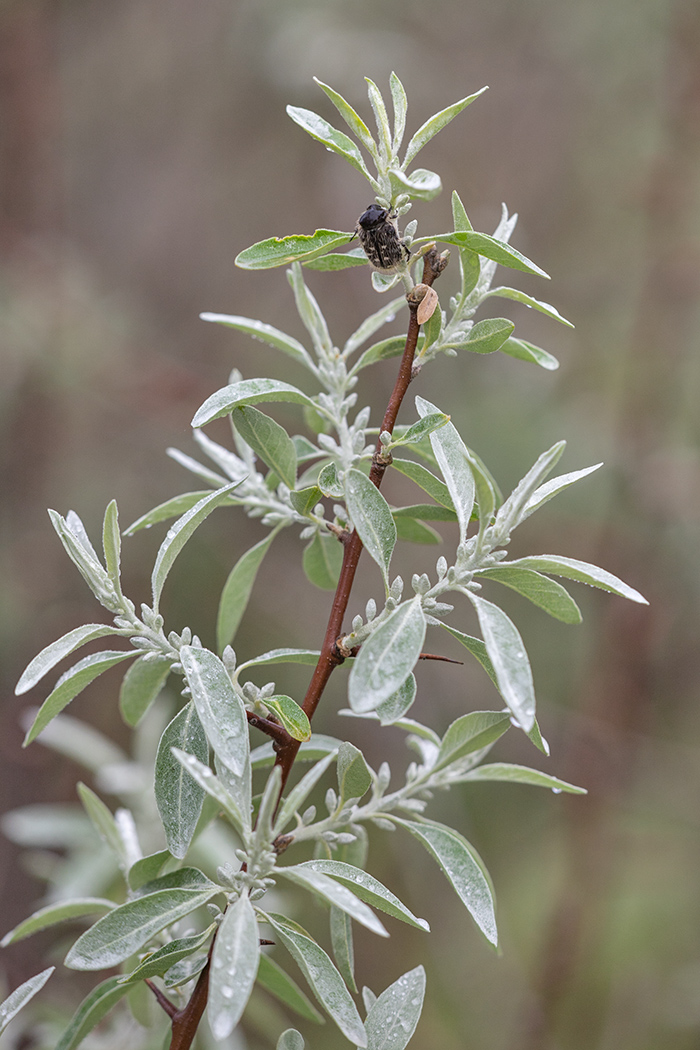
{"points": [[427, 305]]}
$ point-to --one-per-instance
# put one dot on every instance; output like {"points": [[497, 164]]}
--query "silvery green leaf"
{"points": [[178, 535], [104, 822], [521, 350], [308, 657], [335, 261], [310, 312], [520, 297], [172, 508], [281, 251], [52, 914], [305, 500], [393, 1017], [290, 1040], [180, 798], [394, 346], [91, 1011], [411, 530], [343, 945], [471, 732], [83, 556], [464, 869], [234, 965], [265, 333], [486, 336], [80, 742], [398, 97], [148, 868], [367, 888], [387, 657], [380, 115], [459, 214], [111, 542], [322, 560], [248, 392], [160, 961], [552, 488], [299, 794], [237, 591], [73, 682], [331, 138], [484, 488], [354, 777], [425, 479], [424, 512], [421, 184], [268, 806], [290, 716], [384, 282], [510, 513], [373, 323], [436, 123], [275, 981], [395, 706], [490, 248], [47, 659], [521, 775], [509, 659], [219, 707], [141, 685], [325, 981], [335, 893], [451, 455], [582, 572], [21, 996], [329, 481], [122, 932], [372, 519], [424, 427], [235, 808], [319, 746], [541, 591], [353, 120]]}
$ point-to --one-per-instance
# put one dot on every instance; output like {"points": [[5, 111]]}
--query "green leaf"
{"points": [[395, 706], [486, 336], [21, 996], [265, 333], [248, 392], [512, 512], [354, 777], [274, 980], [305, 500], [103, 821], [73, 682], [299, 794], [372, 519], [148, 868], [485, 490], [141, 685], [450, 453], [536, 304], [91, 1011], [47, 659], [322, 560], [521, 775], [335, 893], [424, 512], [421, 184], [111, 543], [269, 441], [471, 732], [476, 647], [393, 1017], [410, 530], [436, 123], [239, 814], [373, 323], [333, 139], [425, 480], [310, 312], [464, 869], [329, 481], [582, 572], [60, 911], [237, 591], [425, 426], [490, 248], [541, 591], [219, 707], [459, 214], [521, 350], [398, 97], [307, 657], [394, 346], [387, 657], [343, 946], [234, 966], [319, 746], [172, 508], [351, 118], [335, 261], [367, 888], [290, 1040], [160, 961], [77, 546], [290, 715], [178, 797], [281, 251], [509, 658], [325, 981], [380, 115], [552, 488], [178, 535]]}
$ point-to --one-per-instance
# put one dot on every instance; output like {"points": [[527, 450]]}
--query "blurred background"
{"points": [[142, 145]]}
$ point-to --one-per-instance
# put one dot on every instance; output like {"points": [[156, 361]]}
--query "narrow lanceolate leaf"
{"points": [[219, 707], [334, 893], [128, 928], [322, 560], [237, 591], [510, 514], [71, 683], [492, 248], [552, 488], [21, 996], [353, 120], [77, 546], [541, 591], [141, 685], [421, 429], [333, 139], [521, 350], [52, 914], [400, 101], [372, 518], [477, 647], [274, 980], [238, 813], [411, 530], [91, 1011], [509, 659], [450, 453], [395, 706], [367, 888], [102, 819], [521, 775], [459, 214], [335, 261], [392, 347], [354, 777], [487, 336], [312, 750], [111, 543], [436, 123], [325, 981], [160, 961], [172, 508], [269, 441], [372, 324], [393, 1017], [148, 868], [387, 658], [536, 304], [47, 659], [422, 184], [265, 333], [178, 797], [298, 795], [281, 251], [307, 657], [470, 733], [248, 392], [582, 572], [290, 716], [380, 116], [178, 535], [464, 869], [234, 965], [425, 479], [343, 945]]}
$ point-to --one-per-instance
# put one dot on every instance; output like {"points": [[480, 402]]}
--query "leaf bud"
{"points": [[228, 659], [356, 623], [370, 610], [331, 800], [441, 567], [396, 589], [420, 584], [308, 816]]}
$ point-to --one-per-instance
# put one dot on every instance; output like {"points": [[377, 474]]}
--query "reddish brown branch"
{"points": [[273, 729], [162, 999]]}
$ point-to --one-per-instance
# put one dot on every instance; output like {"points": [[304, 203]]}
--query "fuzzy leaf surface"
{"points": [[335, 893], [540, 590], [582, 572], [248, 392], [333, 139], [237, 591], [387, 657], [179, 798], [451, 455], [47, 659], [372, 518], [234, 966], [265, 333], [52, 914], [393, 1017], [274, 980], [281, 251], [269, 441], [514, 774], [509, 659], [436, 123], [367, 888], [220, 710], [141, 685], [11, 1006], [471, 732]]}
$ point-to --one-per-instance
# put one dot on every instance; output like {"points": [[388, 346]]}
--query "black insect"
{"points": [[379, 237]]}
